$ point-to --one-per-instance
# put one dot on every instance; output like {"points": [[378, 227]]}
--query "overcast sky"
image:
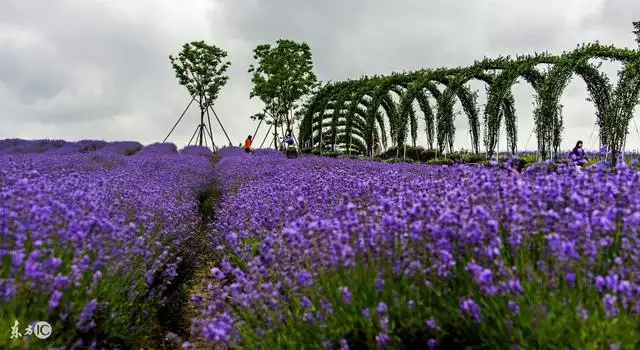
{"points": [[99, 69]]}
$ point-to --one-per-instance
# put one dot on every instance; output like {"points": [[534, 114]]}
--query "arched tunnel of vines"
{"points": [[352, 113]]}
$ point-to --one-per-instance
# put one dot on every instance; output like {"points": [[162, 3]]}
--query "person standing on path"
{"points": [[247, 146]]}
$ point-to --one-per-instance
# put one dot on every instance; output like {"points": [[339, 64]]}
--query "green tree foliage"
{"points": [[282, 75], [201, 68], [636, 31]]}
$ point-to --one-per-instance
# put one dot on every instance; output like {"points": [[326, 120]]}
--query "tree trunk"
{"points": [[201, 136], [275, 136], [288, 121]]}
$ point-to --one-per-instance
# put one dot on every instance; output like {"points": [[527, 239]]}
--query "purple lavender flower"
{"points": [[609, 301], [326, 306], [305, 302], [469, 307], [304, 278], [55, 299], [217, 273], [383, 322], [514, 307], [381, 309], [379, 284], [431, 323], [583, 314], [346, 294], [308, 317], [382, 339]]}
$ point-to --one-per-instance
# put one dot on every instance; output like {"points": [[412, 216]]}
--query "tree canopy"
{"points": [[282, 75], [201, 68]]}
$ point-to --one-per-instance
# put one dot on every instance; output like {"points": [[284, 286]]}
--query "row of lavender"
{"points": [[352, 254], [19, 146], [91, 240]]}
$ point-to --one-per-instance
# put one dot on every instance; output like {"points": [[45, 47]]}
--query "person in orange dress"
{"points": [[247, 145]]}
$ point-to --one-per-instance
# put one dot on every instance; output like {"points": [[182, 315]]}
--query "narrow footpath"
{"points": [[198, 258]]}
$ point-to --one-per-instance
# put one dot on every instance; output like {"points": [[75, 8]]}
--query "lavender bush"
{"points": [[19, 146], [159, 148], [127, 148], [90, 241], [343, 254], [196, 151], [82, 146]]}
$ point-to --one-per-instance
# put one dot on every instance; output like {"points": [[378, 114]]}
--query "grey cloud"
{"points": [[29, 76], [618, 14], [90, 63], [354, 38]]}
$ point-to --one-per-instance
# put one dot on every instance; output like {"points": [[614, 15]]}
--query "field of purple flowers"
{"points": [[90, 237], [320, 252]]}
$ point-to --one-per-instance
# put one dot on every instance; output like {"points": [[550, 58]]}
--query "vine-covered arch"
{"points": [[548, 113], [500, 101], [358, 109]]}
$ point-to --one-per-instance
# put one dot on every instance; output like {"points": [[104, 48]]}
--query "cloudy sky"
{"points": [[99, 69]]}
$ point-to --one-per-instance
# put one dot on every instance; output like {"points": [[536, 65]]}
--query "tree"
{"points": [[636, 31], [282, 76], [201, 68]]}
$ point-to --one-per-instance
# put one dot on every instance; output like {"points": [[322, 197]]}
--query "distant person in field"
{"points": [[288, 139], [578, 155], [247, 145]]}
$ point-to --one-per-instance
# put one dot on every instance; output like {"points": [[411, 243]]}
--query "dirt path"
{"points": [[198, 260], [197, 285]]}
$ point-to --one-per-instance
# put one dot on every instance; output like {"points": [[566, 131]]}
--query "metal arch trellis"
{"points": [[342, 102]]}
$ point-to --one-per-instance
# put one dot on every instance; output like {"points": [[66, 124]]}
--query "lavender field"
{"points": [[314, 252], [349, 254], [91, 234]]}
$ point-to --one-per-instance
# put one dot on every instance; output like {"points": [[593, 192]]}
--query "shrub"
{"points": [[472, 158], [330, 154], [441, 161], [413, 153]]}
